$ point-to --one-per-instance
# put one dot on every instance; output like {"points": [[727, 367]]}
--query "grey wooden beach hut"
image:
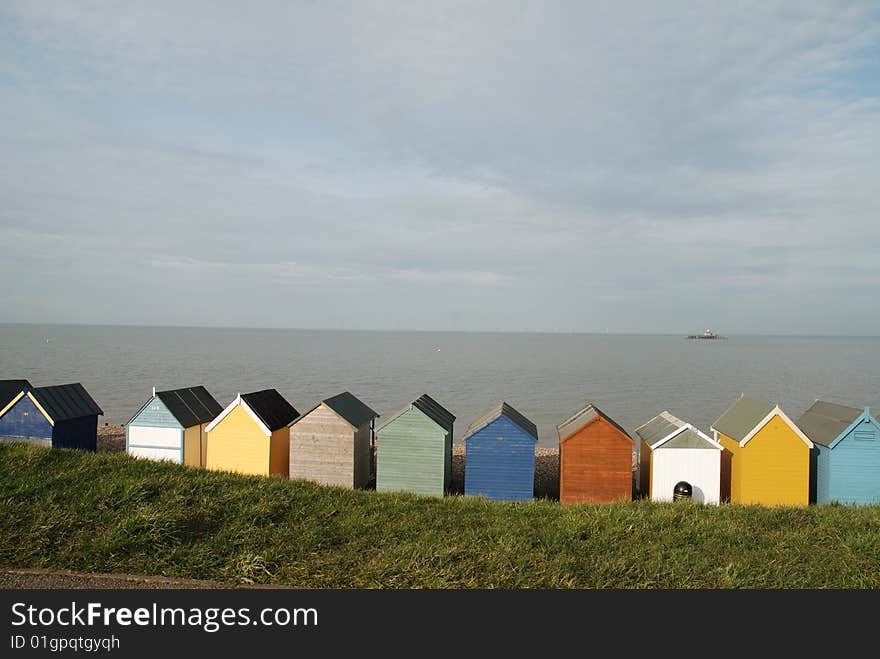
{"points": [[332, 443], [414, 449]]}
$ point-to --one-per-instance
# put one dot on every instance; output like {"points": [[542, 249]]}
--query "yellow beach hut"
{"points": [[251, 436], [767, 461]]}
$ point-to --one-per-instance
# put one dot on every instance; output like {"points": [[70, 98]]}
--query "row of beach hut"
{"points": [[755, 455]]}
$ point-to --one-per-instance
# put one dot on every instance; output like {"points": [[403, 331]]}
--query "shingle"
{"points": [[66, 401], [272, 408], [824, 422]]}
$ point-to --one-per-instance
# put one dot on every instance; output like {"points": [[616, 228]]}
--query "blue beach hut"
{"points": [[847, 446], [62, 416], [500, 455], [171, 426]]}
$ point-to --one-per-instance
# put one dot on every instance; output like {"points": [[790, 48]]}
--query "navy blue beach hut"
{"points": [[62, 416], [500, 456], [9, 393]]}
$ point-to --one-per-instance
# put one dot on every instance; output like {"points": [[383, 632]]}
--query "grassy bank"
{"points": [[111, 513]]}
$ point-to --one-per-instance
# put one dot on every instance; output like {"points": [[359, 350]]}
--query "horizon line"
{"points": [[423, 331]]}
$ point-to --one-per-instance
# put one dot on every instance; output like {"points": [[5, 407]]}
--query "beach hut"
{"points": [[595, 458], [414, 449], [9, 390], [847, 462], [61, 416], [171, 426], [251, 436], [671, 451], [500, 455], [767, 460], [332, 443]]}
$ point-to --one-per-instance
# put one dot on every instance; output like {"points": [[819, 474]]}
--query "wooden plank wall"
{"points": [[23, 421], [595, 464], [237, 444], [852, 468], [412, 455], [322, 449], [500, 462]]}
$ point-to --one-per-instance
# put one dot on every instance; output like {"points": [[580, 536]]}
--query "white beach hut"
{"points": [[672, 451]]}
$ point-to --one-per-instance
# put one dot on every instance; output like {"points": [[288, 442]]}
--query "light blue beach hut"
{"points": [[847, 452]]}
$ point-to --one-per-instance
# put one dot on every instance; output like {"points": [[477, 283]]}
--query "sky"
{"points": [[638, 167]]}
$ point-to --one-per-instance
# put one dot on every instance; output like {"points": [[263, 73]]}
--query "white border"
{"points": [[776, 411], [239, 401]]}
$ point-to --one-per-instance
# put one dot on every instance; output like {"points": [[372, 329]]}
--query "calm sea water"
{"points": [[545, 376]]}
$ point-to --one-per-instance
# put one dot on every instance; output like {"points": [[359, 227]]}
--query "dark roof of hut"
{"points": [[430, 408], [66, 401], [351, 408], [435, 410], [271, 407], [191, 406], [9, 389]]}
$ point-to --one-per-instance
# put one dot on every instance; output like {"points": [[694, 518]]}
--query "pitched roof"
{"points": [[581, 418], [66, 401], [271, 407], [351, 408], [435, 410], [191, 406], [502, 410], [824, 422], [9, 389], [668, 431], [742, 417], [431, 408], [691, 438], [659, 427]]}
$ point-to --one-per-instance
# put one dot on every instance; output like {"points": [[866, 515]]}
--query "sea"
{"points": [[547, 377]]}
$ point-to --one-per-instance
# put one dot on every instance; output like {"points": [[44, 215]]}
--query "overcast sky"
{"points": [[561, 166]]}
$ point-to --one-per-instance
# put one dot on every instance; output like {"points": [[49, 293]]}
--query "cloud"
{"points": [[583, 163]]}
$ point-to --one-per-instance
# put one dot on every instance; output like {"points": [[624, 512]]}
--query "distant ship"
{"points": [[708, 334]]}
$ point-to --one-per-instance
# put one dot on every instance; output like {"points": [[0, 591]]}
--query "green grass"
{"points": [[111, 513]]}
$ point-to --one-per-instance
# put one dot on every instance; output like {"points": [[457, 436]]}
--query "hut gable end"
{"points": [[500, 460], [10, 391], [828, 423], [350, 409], [585, 416], [595, 459], [23, 420], [414, 453], [325, 448]]}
